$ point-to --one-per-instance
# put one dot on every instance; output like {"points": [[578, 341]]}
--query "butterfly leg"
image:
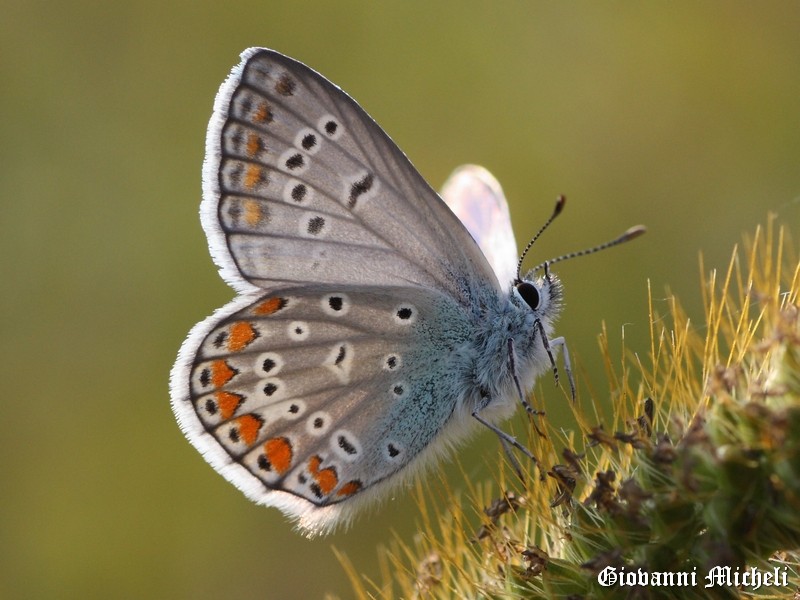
{"points": [[512, 365], [546, 343], [514, 462], [560, 342], [505, 438]]}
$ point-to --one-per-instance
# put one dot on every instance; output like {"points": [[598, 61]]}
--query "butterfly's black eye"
{"points": [[529, 293]]}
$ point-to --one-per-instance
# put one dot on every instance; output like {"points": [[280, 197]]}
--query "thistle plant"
{"points": [[694, 480]]}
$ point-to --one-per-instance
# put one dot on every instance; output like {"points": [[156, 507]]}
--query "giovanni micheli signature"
{"points": [[720, 576]]}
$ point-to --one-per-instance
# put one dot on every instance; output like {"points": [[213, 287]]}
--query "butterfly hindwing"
{"points": [[309, 397], [301, 185]]}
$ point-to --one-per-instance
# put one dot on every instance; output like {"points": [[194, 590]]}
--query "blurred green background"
{"points": [[684, 116]]}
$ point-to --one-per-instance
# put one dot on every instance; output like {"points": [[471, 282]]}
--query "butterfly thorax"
{"points": [[509, 317]]}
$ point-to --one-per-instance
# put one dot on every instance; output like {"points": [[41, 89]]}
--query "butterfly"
{"points": [[373, 330]]}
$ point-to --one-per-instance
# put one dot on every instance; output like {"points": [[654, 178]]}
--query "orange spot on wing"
{"points": [[240, 336], [270, 306], [263, 113], [248, 426], [228, 402], [253, 144], [253, 176], [252, 212], [325, 478], [313, 464], [221, 373], [349, 488], [279, 454]]}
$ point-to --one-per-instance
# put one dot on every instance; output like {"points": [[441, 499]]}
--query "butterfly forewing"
{"points": [[301, 185], [477, 199]]}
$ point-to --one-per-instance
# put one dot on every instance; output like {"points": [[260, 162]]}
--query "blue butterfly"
{"points": [[372, 330]]}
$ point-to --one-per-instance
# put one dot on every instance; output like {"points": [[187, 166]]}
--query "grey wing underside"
{"points": [[318, 394], [301, 186]]}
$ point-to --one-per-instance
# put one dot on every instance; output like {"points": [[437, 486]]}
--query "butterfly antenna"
{"points": [[560, 202], [630, 234]]}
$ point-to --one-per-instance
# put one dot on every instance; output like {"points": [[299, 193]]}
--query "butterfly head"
{"points": [[542, 294]]}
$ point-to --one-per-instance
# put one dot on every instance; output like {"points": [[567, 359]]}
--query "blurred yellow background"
{"points": [[684, 116]]}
